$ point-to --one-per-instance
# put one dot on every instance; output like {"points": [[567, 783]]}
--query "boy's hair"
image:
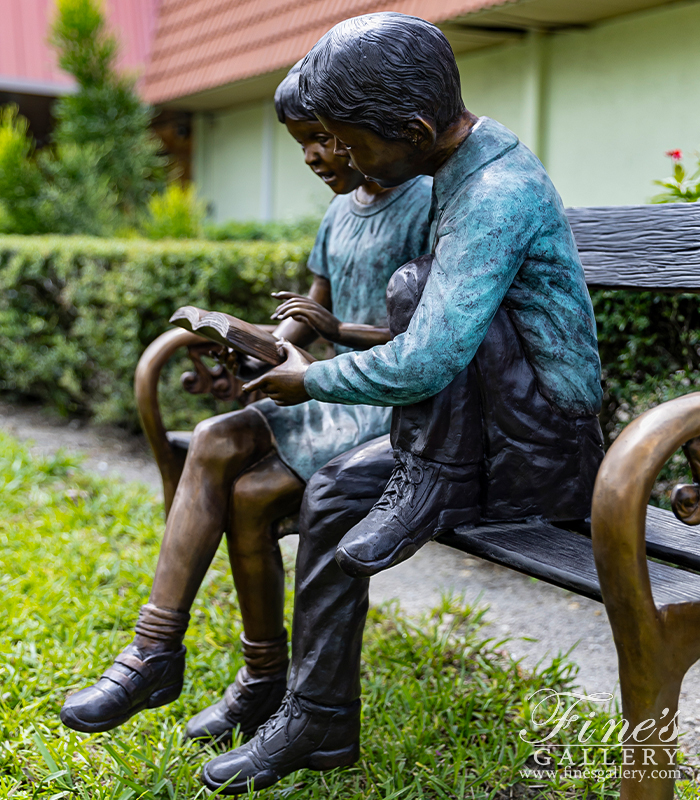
{"points": [[380, 71], [288, 104]]}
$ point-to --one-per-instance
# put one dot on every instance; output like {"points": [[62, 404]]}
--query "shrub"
{"points": [[77, 312], [262, 231], [646, 340], [20, 178], [60, 191], [76, 197], [177, 213]]}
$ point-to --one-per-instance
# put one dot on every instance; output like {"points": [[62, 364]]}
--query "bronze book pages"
{"points": [[229, 331]]}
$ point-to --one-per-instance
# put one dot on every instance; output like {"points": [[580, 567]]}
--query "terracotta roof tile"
{"points": [[203, 44], [26, 59]]}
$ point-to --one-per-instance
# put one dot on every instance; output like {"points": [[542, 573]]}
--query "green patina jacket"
{"points": [[500, 236]]}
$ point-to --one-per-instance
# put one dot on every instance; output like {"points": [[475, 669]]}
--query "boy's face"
{"points": [[388, 162], [331, 165]]}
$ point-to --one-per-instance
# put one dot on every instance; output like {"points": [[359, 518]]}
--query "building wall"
{"points": [[636, 95], [599, 106], [247, 166]]}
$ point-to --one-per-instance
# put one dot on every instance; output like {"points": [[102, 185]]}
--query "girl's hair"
{"points": [[288, 104], [380, 71]]}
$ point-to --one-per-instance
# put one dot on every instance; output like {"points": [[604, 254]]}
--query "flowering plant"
{"points": [[681, 187]]}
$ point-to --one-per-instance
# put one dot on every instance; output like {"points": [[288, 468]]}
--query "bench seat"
{"points": [[565, 558]]}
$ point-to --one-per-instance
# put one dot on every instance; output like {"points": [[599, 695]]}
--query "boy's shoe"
{"points": [[135, 681], [421, 499], [302, 734], [246, 704]]}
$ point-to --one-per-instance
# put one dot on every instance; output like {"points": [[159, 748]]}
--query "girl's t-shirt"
{"points": [[359, 247]]}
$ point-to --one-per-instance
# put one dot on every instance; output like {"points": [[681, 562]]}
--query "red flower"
{"points": [[676, 155]]}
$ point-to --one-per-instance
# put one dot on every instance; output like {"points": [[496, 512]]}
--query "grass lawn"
{"points": [[442, 708]]}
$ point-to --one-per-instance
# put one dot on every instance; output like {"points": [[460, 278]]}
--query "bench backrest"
{"points": [[653, 247]]}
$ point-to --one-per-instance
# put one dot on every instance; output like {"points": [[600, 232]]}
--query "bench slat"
{"points": [[562, 558], [536, 548], [670, 540], [639, 247]]}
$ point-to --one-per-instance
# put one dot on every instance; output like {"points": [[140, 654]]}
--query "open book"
{"points": [[230, 332]]}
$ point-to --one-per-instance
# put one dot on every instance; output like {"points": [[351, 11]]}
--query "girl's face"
{"points": [[330, 164]]}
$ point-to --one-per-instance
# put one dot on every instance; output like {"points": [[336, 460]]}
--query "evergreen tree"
{"points": [[105, 113]]}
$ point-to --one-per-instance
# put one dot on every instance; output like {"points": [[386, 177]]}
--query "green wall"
{"points": [[620, 97], [247, 166], [599, 106]]}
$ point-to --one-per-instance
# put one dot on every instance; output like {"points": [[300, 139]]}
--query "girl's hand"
{"points": [[285, 384], [304, 309]]}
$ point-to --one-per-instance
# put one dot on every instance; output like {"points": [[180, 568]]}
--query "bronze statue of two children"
{"points": [[465, 389]]}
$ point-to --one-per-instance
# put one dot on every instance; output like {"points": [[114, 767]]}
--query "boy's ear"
{"points": [[421, 132]]}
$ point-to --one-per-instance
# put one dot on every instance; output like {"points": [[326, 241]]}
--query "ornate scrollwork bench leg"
{"points": [[655, 646]]}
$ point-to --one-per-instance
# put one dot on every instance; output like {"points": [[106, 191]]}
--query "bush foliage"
{"points": [[20, 177], [649, 348], [176, 213], [76, 313], [104, 163], [254, 231]]}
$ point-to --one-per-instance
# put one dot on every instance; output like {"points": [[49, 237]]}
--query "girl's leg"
{"points": [[221, 448], [261, 496], [149, 672]]}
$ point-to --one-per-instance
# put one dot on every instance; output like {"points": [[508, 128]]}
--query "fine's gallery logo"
{"points": [[569, 734]]}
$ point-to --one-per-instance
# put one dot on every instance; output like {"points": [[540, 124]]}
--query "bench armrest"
{"points": [[655, 645], [218, 381], [169, 460]]}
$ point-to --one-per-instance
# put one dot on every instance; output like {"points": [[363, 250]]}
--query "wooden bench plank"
{"points": [[536, 548], [562, 558], [639, 247], [670, 540]]}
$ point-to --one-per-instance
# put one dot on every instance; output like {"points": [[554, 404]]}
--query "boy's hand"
{"points": [[285, 384], [304, 309]]}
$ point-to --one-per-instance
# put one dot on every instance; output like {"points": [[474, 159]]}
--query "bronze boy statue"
{"points": [[246, 469], [494, 372]]}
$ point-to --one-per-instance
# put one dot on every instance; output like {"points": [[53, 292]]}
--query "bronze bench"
{"points": [[653, 606]]}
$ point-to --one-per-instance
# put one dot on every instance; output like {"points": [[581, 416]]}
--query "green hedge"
{"points": [[77, 312], [650, 351]]}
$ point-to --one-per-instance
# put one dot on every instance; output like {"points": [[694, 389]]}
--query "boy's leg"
{"points": [[438, 446], [261, 496], [535, 460], [318, 724], [149, 672]]}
